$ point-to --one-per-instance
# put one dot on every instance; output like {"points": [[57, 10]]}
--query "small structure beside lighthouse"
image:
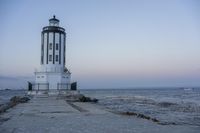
{"points": [[53, 73]]}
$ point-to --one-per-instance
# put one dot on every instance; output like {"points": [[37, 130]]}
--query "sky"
{"points": [[109, 44]]}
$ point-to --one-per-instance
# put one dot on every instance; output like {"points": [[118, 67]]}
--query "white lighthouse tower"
{"points": [[52, 74]]}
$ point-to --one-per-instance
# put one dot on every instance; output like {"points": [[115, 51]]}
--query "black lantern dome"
{"points": [[53, 21]]}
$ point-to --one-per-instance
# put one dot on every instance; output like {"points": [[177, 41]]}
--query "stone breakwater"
{"points": [[23, 99], [13, 102]]}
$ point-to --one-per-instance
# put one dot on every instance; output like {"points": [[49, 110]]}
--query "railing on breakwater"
{"points": [[45, 86], [63, 86]]}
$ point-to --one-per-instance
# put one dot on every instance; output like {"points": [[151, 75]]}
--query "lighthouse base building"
{"points": [[52, 80], [53, 75]]}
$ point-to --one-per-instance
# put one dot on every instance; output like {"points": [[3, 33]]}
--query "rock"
{"points": [[18, 99], [80, 98], [87, 99], [74, 98], [84, 99], [140, 116], [154, 120], [24, 99], [95, 100], [129, 113], [3, 108], [6, 106], [166, 104], [13, 101], [144, 116]]}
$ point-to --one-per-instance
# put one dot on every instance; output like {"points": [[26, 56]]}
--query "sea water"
{"points": [[168, 105]]}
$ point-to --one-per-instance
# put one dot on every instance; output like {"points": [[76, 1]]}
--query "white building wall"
{"points": [[41, 77], [45, 47], [54, 79], [50, 50], [57, 51]]}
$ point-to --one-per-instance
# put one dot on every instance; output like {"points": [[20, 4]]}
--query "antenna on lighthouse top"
{"points": [[54, 16]]}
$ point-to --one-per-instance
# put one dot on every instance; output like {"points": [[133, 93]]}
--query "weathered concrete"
{"points": [[51, 115]]}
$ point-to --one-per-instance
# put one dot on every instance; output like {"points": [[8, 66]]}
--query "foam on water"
{"points": [[168, 105]]}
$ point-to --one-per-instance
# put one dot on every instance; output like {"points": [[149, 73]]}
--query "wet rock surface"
{"points": [[13, 101], [140, 116], [143, 116], [80, 98], [18, 99], [87, 99]]}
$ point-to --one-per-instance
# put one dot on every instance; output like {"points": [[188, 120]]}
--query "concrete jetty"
{"points": [[50, 114]]}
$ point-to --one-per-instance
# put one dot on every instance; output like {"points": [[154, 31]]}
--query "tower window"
{"points": [[50, 46], [50, 57], [56, 57], [56, 46]]}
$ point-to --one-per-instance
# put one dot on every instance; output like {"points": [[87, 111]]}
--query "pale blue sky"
{"points": [[110, 43]]}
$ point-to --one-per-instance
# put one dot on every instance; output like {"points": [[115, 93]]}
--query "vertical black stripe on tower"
{"points": [[53, 47], [42, 49], [64, 51], [59, 48], [47, 46]]}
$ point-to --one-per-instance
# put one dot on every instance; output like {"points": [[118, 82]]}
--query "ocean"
{"points": [[168, 105]]}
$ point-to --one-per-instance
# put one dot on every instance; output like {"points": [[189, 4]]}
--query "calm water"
{"points": [[167, 105]]}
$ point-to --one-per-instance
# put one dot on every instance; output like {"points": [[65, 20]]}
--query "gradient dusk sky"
{"points": [[110, 43]]}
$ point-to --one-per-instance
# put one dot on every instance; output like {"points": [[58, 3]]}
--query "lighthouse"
{"points": [[53, 74]]}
